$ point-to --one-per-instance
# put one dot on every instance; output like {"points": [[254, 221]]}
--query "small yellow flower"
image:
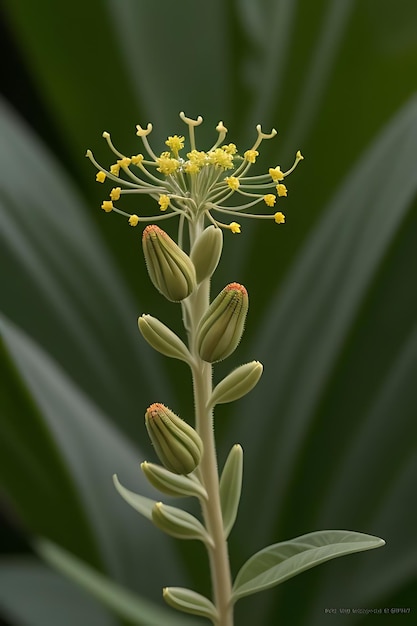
{"points": [[133, 220], [125, 162], [233, 182], [115, 169], [115, 193], [107, 206], [137, 159], [250, 155], [221, 158], [270, 199], [163, 201], [230, 148], [166, 164], [276, 173], [234, 227], [100, 177], [281, 190], [279, 218], [175, 143]]}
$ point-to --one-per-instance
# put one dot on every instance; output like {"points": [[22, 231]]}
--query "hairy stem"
{"points": [[208, 468]]}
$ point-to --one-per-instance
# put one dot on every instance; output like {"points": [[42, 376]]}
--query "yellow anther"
{"points": [[250, 155], [233, 182], [281, 190], [279, 218], [100, 177], [133, 220], [276, 174], [107, 206], [270, 199], [115, 193], [163, 202], [234, 227]]}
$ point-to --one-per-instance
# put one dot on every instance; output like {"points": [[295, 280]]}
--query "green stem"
{"points": [[208, 468]]}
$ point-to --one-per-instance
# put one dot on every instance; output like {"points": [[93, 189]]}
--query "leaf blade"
{"points": [[279, 562]]}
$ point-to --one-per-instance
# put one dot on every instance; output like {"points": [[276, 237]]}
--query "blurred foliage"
{"points": [[330, 433]]}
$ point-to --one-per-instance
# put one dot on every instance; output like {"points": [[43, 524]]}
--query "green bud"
{"points": [[221, 327], [173, 484], [231, 487], [206, 252], [237, 384], [162, 338], [179, 523], [170, 269], [190, 601], [177, 444]]}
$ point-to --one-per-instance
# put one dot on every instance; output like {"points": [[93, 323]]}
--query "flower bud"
{"points": [[221, 327], [177, 444], [162, 338], [176, 485], [237, 384], [205, 253], [170, 269]]}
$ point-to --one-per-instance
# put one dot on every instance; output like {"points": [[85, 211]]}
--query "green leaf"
{"points": [[190, 602], [141, 504], [301, 351], [281, 561], [124, 603], [231, 487], [67, 425]]}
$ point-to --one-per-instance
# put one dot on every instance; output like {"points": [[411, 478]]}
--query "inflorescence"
{"points": [[196, 184]]}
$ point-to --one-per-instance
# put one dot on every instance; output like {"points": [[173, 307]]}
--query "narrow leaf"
{"points": [[124, 603], [231, 487], [281, 561], [140, 503]]}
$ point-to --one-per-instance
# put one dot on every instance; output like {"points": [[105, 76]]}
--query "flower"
{"points": [[279, 217], [190, 183]]}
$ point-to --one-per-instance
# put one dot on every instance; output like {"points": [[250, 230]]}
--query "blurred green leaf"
{"points": [[31, 594], [91, 449], [64, 283], [136, 610]]}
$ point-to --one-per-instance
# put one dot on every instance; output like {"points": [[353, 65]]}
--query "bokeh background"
{"points": [[330, 433]]}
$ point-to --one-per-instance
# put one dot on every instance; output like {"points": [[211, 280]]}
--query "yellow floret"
{"points": [[234, 227], [221, 158], [107, 206], [115, 169], [250, 155], [279, 218], [115, 193], [276, 173], [175, 143], [137, 159], [166, 164], [100, 177], [281, 190], [270, 199], [233, 182], [133, 220], [163, 202]]}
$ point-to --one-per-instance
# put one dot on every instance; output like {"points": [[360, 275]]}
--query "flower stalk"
{"points": [[195, 186]]}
